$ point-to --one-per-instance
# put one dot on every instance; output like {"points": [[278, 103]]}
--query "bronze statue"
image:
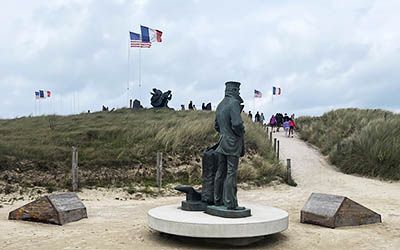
{"points": [[160, 99], [220, 162], [229, 125]]}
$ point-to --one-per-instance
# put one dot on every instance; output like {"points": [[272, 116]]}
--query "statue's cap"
{"points": [[232, 84]]}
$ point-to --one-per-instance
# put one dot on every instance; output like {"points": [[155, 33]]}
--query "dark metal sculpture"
{"points": [[137, 104], [220, 162], [160, 99]]}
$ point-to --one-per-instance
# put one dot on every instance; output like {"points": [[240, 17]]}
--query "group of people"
{"points": [[287, 123], [191, 106], [258, 118]]}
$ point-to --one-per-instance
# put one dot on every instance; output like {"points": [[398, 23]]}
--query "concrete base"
{"points": [[173, 220]]}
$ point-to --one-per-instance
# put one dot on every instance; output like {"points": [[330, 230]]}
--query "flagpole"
{"points": [[129, 72], [140, 66], [34, 113]]}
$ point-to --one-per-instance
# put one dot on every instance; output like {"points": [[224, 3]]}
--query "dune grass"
{"points": [[365, 142], [119, 148]]}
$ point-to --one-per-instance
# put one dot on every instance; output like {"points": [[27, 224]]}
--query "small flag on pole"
{"points": [[257, 94], [136, 41], [276, 91], [37, 94], [150, 35], [48, 93], [41, 94]]}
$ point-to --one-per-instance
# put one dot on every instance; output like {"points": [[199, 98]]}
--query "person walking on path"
{"points": [[272, 123], [285, 117], [292, 126], [279, 121], [286, 127]]}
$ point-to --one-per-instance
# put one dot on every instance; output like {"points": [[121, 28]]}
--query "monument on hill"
{"points": [[160, 99], [215, 212]]}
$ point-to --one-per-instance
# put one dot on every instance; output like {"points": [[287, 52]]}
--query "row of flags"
{"points": [[275, 91], [146, 37], [41, 94]]}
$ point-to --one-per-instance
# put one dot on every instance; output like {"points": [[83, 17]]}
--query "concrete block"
{"points": [[336, 211]]}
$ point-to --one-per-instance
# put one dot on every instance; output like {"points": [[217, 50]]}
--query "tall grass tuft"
{"points": [[365, 142], [117, 148]]}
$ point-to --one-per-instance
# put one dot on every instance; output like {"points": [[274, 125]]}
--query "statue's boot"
{"points": [[236, 208]]}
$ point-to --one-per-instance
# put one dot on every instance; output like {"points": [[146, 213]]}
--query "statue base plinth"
{"points": [[194, 205], [264, 221], [223, 211]]}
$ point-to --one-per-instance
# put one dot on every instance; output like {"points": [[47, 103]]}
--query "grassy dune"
{"points": [[119, 148], [365, 142]]}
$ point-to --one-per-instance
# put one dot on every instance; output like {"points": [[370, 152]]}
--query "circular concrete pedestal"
{"points": [[173, 220]]}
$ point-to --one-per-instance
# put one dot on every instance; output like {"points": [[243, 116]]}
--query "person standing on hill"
{"points": [[250, 115], [257, 117], [190, 106], [262, 118]]}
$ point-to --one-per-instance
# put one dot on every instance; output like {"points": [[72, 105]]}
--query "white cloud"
{"points": [[323, 55]]}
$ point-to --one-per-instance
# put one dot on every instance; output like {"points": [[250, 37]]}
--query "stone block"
{"points": [[56, 209], [336, 211]]}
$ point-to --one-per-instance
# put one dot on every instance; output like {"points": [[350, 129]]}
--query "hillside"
{"points": [[119, 149], [365, 142]]}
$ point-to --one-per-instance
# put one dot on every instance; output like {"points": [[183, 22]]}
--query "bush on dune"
{"points": [[365, 142], [116, 148]]}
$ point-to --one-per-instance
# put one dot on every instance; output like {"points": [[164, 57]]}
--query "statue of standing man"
{"points": [[229, 124]]}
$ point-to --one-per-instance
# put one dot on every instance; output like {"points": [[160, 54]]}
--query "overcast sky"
{"points": [[323, 54]]}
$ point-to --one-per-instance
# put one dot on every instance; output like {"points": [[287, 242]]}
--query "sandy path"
{"points": [[115, 224]]}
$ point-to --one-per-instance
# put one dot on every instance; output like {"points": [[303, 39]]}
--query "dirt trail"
{"points": [[116, 224]]}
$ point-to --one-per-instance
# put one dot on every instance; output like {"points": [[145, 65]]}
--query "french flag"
{"points": [[276, 91], [150, 35]]}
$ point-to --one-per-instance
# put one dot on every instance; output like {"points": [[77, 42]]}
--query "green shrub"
{"points": [[365, 142], [115, 149]]}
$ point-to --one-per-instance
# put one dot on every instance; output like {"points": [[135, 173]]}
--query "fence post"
{"points": [[289, 171], [275, 145], [74, 170], [159, 169], [277, 150], [270, 136]]}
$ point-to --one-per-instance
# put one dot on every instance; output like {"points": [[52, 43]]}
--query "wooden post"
{"points": [[289, 171], [277, 150], [275, 145], [130, 103], [74, 170], [159, 169], [267, 129], [270, 136]]}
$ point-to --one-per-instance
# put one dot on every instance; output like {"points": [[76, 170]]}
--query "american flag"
{"points": [[137, 42], [257, 94]]}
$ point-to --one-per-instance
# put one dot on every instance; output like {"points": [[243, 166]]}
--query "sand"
{"points": [[117, 224]]}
